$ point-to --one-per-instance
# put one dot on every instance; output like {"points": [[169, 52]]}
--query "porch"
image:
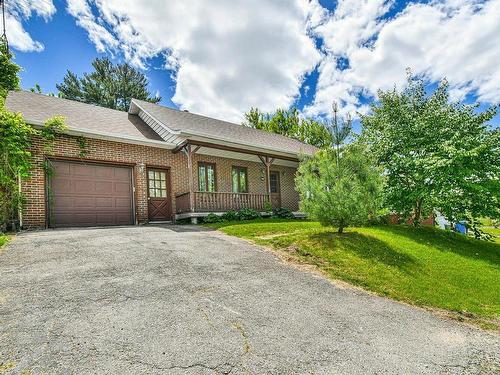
{"points": [[220, 201], [222, 178]]}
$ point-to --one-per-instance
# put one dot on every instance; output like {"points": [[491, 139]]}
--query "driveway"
{"points": [[184, 300]]}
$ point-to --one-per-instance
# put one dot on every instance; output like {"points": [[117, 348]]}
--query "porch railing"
{"points": [[220, 201]]}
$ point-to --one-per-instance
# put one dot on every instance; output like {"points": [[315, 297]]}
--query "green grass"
{"points": [[495, 232], [422, 266], [3, 239]]}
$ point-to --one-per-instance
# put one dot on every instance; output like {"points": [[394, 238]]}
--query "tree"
{"points": [[339, 131], [339, 186], [339, 189], [290, 124], [109, 85], [436, 154], [9, 79]]}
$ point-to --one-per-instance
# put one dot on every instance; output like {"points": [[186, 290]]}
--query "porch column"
{"points": [[189, 154], [267, 161]]}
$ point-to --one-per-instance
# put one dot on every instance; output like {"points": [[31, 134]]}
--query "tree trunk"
{"points": [[417, 214], [341, 230]]}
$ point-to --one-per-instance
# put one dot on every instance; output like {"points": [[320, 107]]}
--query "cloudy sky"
{"points": [[221, 57]]}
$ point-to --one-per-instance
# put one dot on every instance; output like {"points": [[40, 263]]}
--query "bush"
{"points": [[230, 216], [248, 214], [268, 207], [212, 218], [283, 213]]}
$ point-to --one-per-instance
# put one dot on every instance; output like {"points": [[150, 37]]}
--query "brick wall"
{"points": [[66, 146]]}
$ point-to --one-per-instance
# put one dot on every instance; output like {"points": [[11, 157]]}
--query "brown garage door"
{"points": [[86, 194]]}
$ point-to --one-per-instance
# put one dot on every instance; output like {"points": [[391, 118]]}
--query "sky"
{"points": [[222, 57]]}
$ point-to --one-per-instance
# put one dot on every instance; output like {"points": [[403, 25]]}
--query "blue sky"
{"points": [[221, 59]]}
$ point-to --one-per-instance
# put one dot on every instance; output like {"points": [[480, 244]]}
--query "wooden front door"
{"points": [[159, 201], [274, 182]]}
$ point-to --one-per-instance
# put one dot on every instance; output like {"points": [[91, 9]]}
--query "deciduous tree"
{"points": [[290, 124], [436, 154], [9, 79]]}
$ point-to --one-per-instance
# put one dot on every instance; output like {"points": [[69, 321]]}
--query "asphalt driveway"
{"points": [[183, 300]]}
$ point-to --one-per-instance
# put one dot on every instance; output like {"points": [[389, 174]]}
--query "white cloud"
{"points": [[22, 10], [102, 38], [229, 55], [456, 39]]}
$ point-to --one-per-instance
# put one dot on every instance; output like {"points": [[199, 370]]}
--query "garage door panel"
{"points": [[82, 186], [90, 195], [82, 170], [104, 187], [122, 203], [83, 202], [105, 172], [61, 184], [122, 188], [105, 202], [122, 174]]}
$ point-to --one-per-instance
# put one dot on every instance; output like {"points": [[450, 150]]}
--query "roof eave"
{"points": [[95, 134], [243, 145]]}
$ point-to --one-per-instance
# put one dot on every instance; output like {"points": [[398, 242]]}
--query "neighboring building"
{"points": [[150, 164]]}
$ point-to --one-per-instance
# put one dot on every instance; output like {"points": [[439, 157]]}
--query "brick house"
{"points": [[150, 164]]}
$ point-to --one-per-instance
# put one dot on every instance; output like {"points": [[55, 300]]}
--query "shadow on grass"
{"points": [[449, 242], [366, 247]]}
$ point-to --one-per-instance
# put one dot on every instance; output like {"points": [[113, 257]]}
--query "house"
{"points": [[151, 164]]}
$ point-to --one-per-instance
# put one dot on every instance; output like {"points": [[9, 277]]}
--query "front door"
{"points": [[274, 182], [159, 201]]}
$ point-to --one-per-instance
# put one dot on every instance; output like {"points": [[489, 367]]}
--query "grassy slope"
{"points": [[495, 232], [424, 266]]}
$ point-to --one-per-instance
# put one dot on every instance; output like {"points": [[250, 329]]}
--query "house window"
{"points": [[274, 182], [239, 178], [157, 181], [206, 177]]}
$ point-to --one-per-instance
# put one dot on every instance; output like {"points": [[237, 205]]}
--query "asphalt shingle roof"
{"points": [[196, 124], [87, 117], [79, 116]]}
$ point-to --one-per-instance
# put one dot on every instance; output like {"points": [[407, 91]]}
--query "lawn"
{"points": [[422, 266], [3, 239], [495, 232]]}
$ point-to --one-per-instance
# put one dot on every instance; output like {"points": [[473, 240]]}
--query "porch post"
{"points": [[267, 161], [189, 154]]}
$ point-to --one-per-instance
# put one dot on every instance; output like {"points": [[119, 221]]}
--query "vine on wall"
{"points": [[16, 160]]}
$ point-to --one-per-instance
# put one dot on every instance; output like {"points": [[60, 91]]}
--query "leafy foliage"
{"points": [[248, 214], [290, 124], [435, 154], [9, 79], [230, 216], [339, 190], [283, 213], [15, 161], [109, 85], [212, 218], [53, 127]]}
